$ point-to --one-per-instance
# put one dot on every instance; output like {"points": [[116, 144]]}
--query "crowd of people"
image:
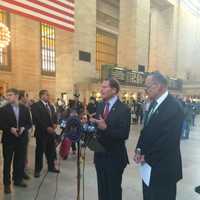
{"points": [[19, 117]]}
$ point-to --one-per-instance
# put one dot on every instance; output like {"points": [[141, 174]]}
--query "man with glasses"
{"points": [[15, 123], [159, 142]]}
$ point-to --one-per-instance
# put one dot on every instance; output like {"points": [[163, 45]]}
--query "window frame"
{"points": [[101, 52], [6, 67], [43, 71]]}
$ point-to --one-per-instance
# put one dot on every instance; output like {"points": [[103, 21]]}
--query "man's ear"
{"points": [[115, 90]]}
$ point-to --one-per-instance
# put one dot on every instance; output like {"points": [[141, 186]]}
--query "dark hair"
{"points": [[93, 98], [114, 83], [21, 94], [13, 90], [159, 78], [42, 92]]}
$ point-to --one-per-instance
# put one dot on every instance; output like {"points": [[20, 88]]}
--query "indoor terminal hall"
{"points": [[99, 99]]}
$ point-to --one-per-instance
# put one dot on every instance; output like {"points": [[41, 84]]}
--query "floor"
{"points": [[66, 181]]}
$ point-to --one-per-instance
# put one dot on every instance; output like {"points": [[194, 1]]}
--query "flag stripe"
{"points": [[37, 18], [64, 3], [34, 15], [54, 5], [33, 7], [43, 10]]}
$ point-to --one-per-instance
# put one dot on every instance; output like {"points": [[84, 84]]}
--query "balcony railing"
{"points": [[133, 78]]}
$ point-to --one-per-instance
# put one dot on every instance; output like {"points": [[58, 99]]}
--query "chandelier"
{"points": [[4, 35]]}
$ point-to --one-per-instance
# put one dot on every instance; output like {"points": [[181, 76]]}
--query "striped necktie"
{"points": [[106, 111], [150, 112]]}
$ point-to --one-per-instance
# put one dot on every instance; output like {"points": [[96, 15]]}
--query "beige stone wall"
{"points": [[64, 62], [188, 45], [26, 60], [162, 46], [175, 39], [85, 40], [127, 34], [174, 46], [25, 54], [133, 33], [142, 32]]}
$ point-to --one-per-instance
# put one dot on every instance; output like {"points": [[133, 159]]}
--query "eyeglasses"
{"points": [[146, 88]]}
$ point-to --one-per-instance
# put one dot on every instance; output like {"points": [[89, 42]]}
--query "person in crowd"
{"points": [[139, 111], [73, 112], [23, 99], [159, 142], [78, 106], [15, 123], [113, 123], [45, 121], [188, 112], [3, 101], [197, 189], [92, 106], [60, 107]]}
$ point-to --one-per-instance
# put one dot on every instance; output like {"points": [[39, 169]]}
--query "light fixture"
{"points": [[98, 95], [4, 35], [134, 96], [126, 95]]}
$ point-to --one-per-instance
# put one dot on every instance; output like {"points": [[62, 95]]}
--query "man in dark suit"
{"points": [[159, 142], [113, 123], [44, 119], [15, 122]]}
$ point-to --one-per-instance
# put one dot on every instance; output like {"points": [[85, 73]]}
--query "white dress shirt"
{"points": [[160, 100]]}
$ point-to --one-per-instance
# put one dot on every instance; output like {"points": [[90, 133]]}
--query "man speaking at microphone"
{"points": [[113, 124]]}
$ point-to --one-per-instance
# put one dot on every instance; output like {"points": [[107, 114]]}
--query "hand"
{"points": [[54, 126], [139, 159], [101, 124], [50, 130], [21, 130], [142, 160], [93, 120], [14, 131]]}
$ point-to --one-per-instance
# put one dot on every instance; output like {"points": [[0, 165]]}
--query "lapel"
{"points": [[12, 114], [113, 110], [156, 114], [44, 108]]}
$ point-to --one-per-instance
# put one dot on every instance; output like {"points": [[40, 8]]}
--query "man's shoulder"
{"points": [[173, 101], [36, 105], [122, 106], [5, 107], [172, 105], [23, 106]]}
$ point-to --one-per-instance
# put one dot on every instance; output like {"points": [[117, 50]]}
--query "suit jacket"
{"points": [[113, 138], [42, 119], [160, 142], [8, 120]]}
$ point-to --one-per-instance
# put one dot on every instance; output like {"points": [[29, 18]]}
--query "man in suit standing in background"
{"points": [[113, 123], [15, 123], [159, 142], [44, 119]]}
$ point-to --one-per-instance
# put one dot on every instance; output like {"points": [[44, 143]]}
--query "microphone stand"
{"points": [[78, 171]]}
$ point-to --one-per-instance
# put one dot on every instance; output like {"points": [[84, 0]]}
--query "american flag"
{"points": [[59, 13]]}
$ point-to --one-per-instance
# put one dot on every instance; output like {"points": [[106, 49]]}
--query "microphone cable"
{"points": [[40, 185]]}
